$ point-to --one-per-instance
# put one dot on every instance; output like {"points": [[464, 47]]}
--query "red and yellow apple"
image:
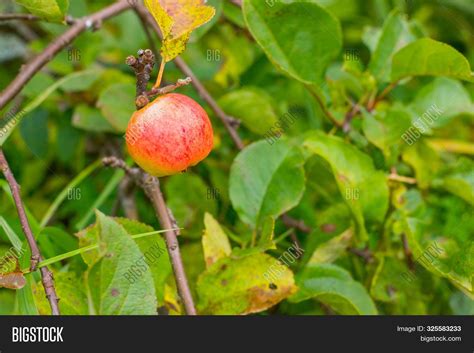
{"points": [[169, 135]]}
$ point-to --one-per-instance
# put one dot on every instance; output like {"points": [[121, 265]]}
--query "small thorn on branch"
{"points": [[233, 122], [174, 222]]}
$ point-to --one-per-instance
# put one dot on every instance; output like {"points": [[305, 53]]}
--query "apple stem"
{"points": [[160, 74]]}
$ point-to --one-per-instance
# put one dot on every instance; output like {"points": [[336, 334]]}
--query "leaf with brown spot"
{"points": [[13, 280], [244, 285]]}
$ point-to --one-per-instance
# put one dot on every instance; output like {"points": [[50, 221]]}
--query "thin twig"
{"points": [[236, 2], [151, 187], [18, 16], [169, 88], [365, 254], [325, 110], [407, 252], [346, 125], [401, 178], [373, 102], [46, 275], [127, 198], [29, 17], [30, 69], [295, 223]]}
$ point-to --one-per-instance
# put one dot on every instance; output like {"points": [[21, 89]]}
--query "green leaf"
{"points": [[449, 256], [455, 261], [305, 45], [214, 241], [90, 119], [117, 104], [16, 47], [386, 128], [11, 235], [363, 188], [154, 251], [266, 180], [50, 10], [253, 106], [152, 248], [395, 34], [332, 249], [460, 180], [108, 280], [244, 285], [392, 284], [10, 124], [427, 57], [25, 300], [188, 197], [265, 240], [334, 287], [63, 194], [440, 101], [424, 160], [55, 241], [108, 189]]}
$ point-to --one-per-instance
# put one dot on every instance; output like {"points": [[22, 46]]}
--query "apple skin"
{"points": [[169, 135]]}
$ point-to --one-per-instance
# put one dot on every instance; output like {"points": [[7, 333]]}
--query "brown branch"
{"points": [[127, 198], [373, 102], [346, 125], [30, 69], [407, 252], [169, 88], [18, 16], [236, 2], [151, 187], [401, 178], [323, 107], [229, 122], [295, 223], [46, 275], [366, 254], [29, 17]]}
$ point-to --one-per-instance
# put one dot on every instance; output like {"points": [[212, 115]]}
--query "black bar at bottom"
{"points": [[221, 334]]}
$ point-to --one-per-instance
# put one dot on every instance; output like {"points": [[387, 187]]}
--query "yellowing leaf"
{"points": [[177, 19], [244, 285], [214, 241]]}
